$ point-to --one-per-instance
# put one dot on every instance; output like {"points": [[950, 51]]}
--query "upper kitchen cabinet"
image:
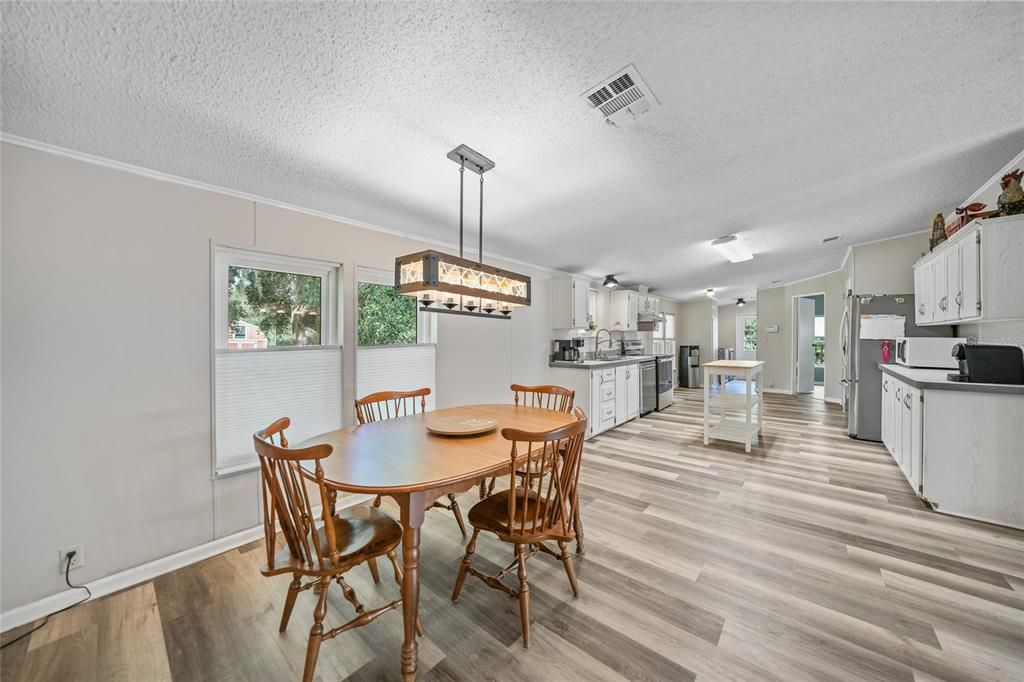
{"points": [[570, 303], [974, 276], [624, 309]]}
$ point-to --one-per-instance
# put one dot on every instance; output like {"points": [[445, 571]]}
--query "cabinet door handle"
{"points": [[920, 308], [959, 299], [942, 303], [899, 394], [885, 386], [906, 401]]}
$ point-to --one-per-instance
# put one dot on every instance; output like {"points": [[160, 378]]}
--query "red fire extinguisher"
{"points": [[886, 350]]}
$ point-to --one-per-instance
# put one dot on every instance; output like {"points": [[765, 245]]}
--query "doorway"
{"points": [[809, 345], [746, 337]]}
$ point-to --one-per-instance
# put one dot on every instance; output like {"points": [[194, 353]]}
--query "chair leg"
{"points": [[490, 486], [464, 567], [350, 595], [316, 633], [289, 602], [372, 563], [376, 501], [524, 597], [577, 526], [570, 570], [483, 488], [398, 579], [458, 514]]}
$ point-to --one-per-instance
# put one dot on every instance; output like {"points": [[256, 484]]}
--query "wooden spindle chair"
{"points": [[545, 397], [391, 404], [538, 507], [548, 398], [322, 551]]}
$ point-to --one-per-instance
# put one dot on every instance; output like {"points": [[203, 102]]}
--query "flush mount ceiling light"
{"points": [[730, 247], [740, 302], [610, 281], [710, 293], [443, 283]]}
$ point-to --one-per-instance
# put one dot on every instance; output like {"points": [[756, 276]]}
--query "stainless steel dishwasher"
{"points": [[648, 386]]}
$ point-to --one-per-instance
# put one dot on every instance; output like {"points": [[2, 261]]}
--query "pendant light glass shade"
{"points": [[444, 283]]}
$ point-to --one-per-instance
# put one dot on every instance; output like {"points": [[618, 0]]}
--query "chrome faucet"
{"points": [[597, 341]]}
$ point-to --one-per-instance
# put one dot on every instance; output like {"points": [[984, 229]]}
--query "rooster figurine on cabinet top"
{"points": [[1011, 201]]}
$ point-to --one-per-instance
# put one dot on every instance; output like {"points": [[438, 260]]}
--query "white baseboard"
{"points": [[835, 401], [776, 390], [139, 574]]}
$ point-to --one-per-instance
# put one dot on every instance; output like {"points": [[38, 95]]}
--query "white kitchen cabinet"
{"points": [[974, 276], [625, 305], [903, 428], [621, 401], [632, 391], [924, 292], [569, 303], [610, 396]]}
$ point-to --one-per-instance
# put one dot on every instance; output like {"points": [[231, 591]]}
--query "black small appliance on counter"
{"points": [[567, 350], [989, 364]]}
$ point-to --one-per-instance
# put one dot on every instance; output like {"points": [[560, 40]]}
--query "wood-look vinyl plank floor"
{"points": [[809, 558]]}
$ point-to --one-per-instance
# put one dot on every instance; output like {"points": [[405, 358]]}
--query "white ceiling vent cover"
{"points": [[622, 97]]}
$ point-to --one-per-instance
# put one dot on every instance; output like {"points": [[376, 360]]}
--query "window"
{"points": [[395, 340], [591, 309], [819, 341], [276, 350], [384, 317], [750, 334], [268, 308]]}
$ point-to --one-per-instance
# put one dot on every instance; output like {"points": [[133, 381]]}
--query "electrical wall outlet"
{"points": [[77, 561]]}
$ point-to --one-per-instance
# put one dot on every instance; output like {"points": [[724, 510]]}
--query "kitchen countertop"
{"points": [[601, 364], [936, 378]]}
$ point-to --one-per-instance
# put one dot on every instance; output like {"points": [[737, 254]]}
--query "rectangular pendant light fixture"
{"points": [[443, 283]]}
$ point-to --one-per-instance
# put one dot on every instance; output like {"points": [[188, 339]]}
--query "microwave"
{"points": [[927, 351]]}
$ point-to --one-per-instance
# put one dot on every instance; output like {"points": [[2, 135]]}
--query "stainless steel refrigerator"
{"points": [[869, 325]]}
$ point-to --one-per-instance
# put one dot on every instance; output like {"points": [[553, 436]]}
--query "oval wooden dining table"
{"points": [[399, 458]]}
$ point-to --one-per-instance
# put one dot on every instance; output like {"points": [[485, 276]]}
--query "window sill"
{"points": [[235, 470]]}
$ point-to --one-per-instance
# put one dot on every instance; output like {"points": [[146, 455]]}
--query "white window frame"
{"points": [[329, 274], [221, 258]]}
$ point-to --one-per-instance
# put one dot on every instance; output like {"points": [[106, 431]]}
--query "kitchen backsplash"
{"points": [[1003, 333]]}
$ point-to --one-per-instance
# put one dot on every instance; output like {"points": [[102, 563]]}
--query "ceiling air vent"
{"points": [[622, 97]]}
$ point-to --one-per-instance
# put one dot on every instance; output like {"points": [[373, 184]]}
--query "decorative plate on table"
{"points": [[466, 425]]}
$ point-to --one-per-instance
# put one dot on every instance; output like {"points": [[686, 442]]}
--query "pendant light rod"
{"points": [[481, 251], [462, 172]]}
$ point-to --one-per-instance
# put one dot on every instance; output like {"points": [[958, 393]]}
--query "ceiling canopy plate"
{"points": [[475, 161]]}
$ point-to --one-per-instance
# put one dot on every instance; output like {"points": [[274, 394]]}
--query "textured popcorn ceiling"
{"points": [[783, 123]]}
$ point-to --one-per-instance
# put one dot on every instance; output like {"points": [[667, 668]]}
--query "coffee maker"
{"points": [[989, 364], [567, 350]]}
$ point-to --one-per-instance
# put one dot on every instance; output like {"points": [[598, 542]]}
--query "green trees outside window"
{"points": [[750, 335], [283, 305], [384, 317]]}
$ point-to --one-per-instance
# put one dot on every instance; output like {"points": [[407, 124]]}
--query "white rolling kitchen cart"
{"points": [[734, 411]]}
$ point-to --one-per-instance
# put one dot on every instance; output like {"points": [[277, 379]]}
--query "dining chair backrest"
{"points": [[286, 500], [546, 397], [548, 480], [390, 404]]}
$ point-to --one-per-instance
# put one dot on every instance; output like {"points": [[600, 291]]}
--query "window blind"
{"points": [[255, 388], [396, 368]]}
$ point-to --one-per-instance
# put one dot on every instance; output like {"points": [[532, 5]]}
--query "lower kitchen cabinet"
{"points": [[610, 396], [961, 451]]}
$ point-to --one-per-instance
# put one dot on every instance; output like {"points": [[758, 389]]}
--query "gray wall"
{"points": [[106, 360]]}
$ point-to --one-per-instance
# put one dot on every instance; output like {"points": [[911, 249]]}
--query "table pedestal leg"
{"points": [[412, 507]]}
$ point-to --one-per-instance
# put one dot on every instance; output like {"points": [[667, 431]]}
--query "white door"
{"points": [[745, 350], [805, 345]]}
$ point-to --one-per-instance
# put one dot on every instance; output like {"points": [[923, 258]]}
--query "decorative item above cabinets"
{"points": [[974, 276], [443, 283]]}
